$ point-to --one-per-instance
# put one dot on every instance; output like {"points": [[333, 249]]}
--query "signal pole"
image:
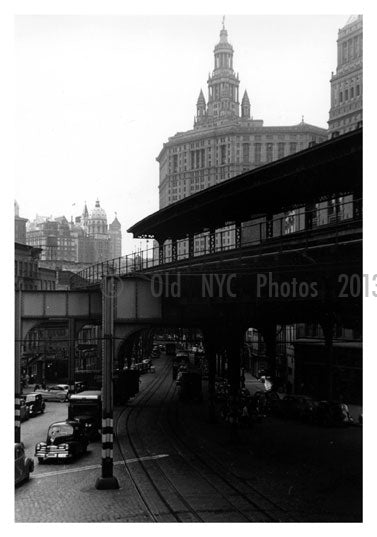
{"points": [[17, 374], [107, 479]]}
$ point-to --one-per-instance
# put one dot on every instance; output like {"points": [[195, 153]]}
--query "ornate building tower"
{"points": [[115, 232], [85, 218], [223, 84], [346, 111], [223, 143], [97, 223], [201, 112], [245, 106], [97, 229]]}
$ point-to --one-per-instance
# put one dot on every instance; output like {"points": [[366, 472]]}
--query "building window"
{"points": [[346, 95], [341, 97], [192, 154], [345, 52], [269, 152], [175, 163], [352, 93], [292, 147], [223, 154], [357, 90], [281, 147], [258, 150], [246, 152]]}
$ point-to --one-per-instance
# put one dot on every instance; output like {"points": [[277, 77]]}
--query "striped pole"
{"points": [[107, 479], [17, 419], [71, 355], [17, 375], [107, 446]]}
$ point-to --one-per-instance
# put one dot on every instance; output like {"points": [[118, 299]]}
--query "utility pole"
{"points": [[17, 375], [107, 479], [71, 355]]}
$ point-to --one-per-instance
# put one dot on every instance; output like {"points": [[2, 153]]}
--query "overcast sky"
{"points": [[97, 96]]}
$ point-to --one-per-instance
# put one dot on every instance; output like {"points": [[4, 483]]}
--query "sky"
{"points": [[98, 95]]}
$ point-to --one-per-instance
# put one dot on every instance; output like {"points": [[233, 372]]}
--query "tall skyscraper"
{"points": [[226, 140], [346, 111], [19, 225]]}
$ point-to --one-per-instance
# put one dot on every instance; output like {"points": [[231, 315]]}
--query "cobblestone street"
{"points": [[192, 471]]}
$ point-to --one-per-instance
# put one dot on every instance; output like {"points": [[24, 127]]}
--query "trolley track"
{"points": [[178, 513], [152, 482], [215, 467]]}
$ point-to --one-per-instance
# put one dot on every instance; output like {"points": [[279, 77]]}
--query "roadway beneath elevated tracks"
{"points": [[281, 470]]}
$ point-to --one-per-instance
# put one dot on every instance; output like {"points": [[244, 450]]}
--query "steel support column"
{"points": [[210, 351], [327, 324], [107, 479], [309, 215], [160, 246], [212, 241], [17, 375], [269, 226], [190, 245], [71, 355], [233, 351], [238, 234], [174, 250]]}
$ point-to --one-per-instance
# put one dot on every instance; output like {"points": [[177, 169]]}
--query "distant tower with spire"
{"points": [[201, 111], [225, 139], [115, 232], [223, 84], [245, 106], [85, 218]]}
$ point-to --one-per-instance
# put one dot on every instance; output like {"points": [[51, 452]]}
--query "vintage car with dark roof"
{"points": [[35, 403], [23, 465], [66, 440]]}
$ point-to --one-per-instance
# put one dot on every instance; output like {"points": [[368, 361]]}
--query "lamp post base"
{"points": [[107, 483]]}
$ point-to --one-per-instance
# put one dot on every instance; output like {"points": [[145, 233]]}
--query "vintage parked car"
{"points": [[24, 410], [55, 393], [333, 413], [23, 465], [300, 407], [66, 440], [86, 407], [64, 386], [79, 386], [35, 403]]}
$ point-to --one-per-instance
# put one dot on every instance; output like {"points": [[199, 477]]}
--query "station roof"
{"points": [[330, 168]]}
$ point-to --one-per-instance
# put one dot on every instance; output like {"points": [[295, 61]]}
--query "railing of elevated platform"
{"points": [[329, 214]]}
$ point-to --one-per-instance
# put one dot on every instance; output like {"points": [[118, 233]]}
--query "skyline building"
{"points": [[225, 140], [346, 112], [86, 240], [19, 225]]}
